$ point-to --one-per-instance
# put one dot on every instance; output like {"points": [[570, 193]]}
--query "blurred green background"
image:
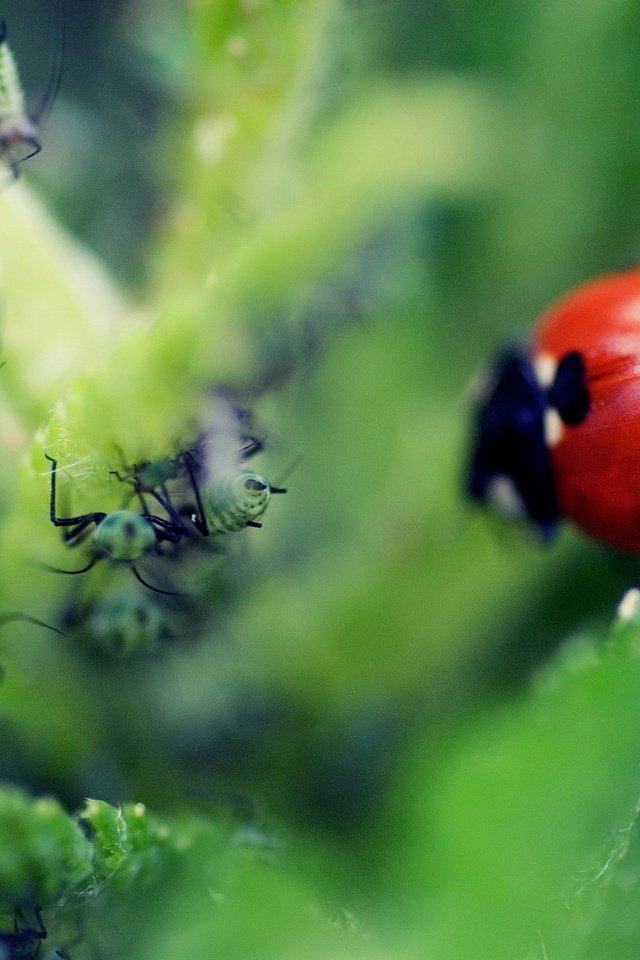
{"points": [[413, 728]]}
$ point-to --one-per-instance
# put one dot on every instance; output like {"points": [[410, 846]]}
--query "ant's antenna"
{"points": [[43, 106]]}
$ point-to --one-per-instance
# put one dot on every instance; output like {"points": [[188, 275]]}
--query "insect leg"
{"points": [[56, 62], [165, 529], [164, 500], [199, 518], [73, 537], [16, 617], [91, 564], [82, 521], [37, 147], [149, 586], [251, 448]]}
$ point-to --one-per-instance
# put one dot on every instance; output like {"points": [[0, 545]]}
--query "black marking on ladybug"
{"points": [[568, 393], [509, 445]]}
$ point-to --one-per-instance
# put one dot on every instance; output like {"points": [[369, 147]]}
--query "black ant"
{"points": [[123, 536]]}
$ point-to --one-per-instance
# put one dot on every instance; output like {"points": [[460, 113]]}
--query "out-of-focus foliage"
{"points": [[380, 726], [44, 855]]}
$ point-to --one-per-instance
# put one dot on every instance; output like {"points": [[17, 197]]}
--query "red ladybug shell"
{"points": [[596, 463]]}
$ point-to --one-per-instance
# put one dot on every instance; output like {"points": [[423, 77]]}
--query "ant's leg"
{"points": [[149, 586], [252, 447], [73, 537], [92, 563], [164, 529], [164, 500], [199, 519], [24, 617], [41, 930], [83, 520], [37, 147]]}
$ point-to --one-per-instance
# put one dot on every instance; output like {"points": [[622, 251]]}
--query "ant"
{"points": [[123, 536], [230, 503]]}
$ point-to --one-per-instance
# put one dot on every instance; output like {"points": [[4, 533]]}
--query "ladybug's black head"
{"points": [[510, 466]]}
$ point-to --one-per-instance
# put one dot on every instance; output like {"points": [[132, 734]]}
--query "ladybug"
{"points": [[557, 428]]}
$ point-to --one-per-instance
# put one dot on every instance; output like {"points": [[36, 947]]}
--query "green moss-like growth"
{"points": [[44, 855]]}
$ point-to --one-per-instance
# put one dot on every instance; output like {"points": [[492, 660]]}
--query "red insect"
{"points": [[557, 432]]}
